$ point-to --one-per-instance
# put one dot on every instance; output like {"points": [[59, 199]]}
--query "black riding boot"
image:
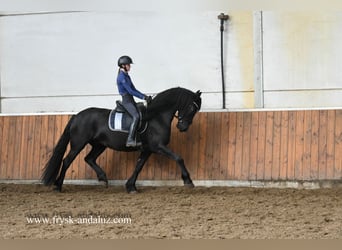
{"points": [[131, 140]]}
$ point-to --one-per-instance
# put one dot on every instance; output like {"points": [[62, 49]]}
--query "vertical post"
{"points": [[222, 17], [0, 74], [0, 91], [258, 60]]}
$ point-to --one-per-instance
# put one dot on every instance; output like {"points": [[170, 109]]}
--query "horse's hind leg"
{"points": [[66, 164], [91, 160]]}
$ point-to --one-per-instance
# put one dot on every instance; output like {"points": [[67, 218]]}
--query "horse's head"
{"points": [[187, 112]]}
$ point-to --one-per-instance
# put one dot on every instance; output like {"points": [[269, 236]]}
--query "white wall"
{"points": [[67, 61], [302, 59]]}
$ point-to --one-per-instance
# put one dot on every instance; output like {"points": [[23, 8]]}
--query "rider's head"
{"points": [[125, 62]]}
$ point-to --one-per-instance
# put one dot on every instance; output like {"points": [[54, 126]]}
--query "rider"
{"points": [[127, 90]]}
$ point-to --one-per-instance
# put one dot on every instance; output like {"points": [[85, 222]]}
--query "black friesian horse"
{"points": [[91, 126]]}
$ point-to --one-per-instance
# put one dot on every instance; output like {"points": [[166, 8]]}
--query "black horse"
{"points": [[91, 126]]}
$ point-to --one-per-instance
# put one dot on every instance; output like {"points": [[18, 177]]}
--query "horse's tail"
{"points": [[53, 166]]}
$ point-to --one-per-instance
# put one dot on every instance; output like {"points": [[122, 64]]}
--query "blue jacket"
{"points": [[126, 86]]}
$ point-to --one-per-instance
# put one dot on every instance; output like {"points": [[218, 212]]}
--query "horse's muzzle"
{"points": [[182, 126]]}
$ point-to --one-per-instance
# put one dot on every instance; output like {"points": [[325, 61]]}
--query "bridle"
{"points": [[180, 118]]}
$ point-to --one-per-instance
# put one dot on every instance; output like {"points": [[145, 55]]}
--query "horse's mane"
{"points": [[173, 96]]}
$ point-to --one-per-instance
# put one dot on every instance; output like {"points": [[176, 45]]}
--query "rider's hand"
{"points": [[148, 99]]}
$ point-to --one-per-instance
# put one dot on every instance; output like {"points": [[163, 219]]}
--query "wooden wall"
{"points": [[267, 145]]}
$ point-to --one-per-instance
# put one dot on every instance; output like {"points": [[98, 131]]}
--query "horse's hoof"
{"points": [[189, 185], [133, 192], [105, 182], [57, 189]]}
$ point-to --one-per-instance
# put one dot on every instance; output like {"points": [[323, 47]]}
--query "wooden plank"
{"points": [[276, 146], [35, 137], [246, 145], [30, 148], [298, 168], [216, 138], [4, 147], [231, 146], [261, 146], [43, 144], [338, 145], [269, 145], [20, 150], [291, 146], [224, 142], [178, 148], [193, 152], [185, 149], [239, 143], [330, 145], [123, 166], [165, 165], [284, 132], [23, 148], [322, 146], [234, 145], [254, 146], [209, 153], [314, 169], [2, 120], [51, 135], [202, 145], [36, 133], [307, 145], [11, 170]]}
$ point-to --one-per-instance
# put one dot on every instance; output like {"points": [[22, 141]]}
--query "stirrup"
{"points": [[133, 144]]}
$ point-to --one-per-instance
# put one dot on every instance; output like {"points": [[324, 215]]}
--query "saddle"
{"points": [[120, 120]]}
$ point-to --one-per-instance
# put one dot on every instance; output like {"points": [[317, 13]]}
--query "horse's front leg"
{"points": [[162, 149], [130, 184]]}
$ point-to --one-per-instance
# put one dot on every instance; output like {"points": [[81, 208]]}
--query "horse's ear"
{"points": [[198, 93]]}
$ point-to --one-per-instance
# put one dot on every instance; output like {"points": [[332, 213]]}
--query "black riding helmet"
{"points": [[123, 60]]}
